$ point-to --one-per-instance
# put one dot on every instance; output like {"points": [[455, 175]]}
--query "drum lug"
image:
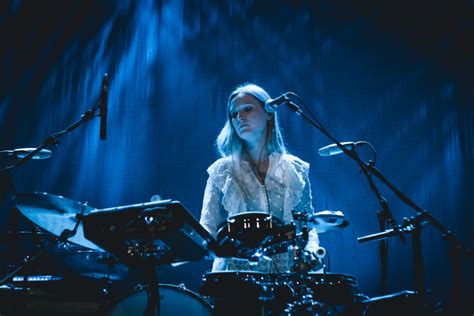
{"points": [[182, 286]]}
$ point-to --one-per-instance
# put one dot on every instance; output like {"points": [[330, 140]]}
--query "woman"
{"points": [[255, 174]]}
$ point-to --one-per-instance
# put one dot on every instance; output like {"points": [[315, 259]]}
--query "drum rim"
{"points": [[329, 277], [330, 274], [222, 227], [232, 272], [277, 219]]}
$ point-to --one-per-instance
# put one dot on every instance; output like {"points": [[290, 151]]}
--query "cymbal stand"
{"points": [[303, 262], [299, 243], [62, 238]]}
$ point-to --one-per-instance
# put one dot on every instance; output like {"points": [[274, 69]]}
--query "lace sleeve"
{"points": [[212, 213]]}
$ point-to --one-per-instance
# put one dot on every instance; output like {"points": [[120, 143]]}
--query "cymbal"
{"points": [[325, 221], [55, 213]]}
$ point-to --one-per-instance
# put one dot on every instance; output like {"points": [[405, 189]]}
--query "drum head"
{"points": [[174, 300]]}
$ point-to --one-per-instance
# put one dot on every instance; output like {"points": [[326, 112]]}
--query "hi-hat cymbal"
{"points": [[325, 221], [55, 214]]}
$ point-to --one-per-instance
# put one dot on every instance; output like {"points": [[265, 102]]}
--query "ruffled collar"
{"points": [[273, 161], [286, 173]]}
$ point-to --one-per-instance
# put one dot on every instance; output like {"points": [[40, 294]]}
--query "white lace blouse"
{"points": [[233, 188]]}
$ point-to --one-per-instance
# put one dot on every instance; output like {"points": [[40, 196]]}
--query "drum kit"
{"points": [[104, 243]]}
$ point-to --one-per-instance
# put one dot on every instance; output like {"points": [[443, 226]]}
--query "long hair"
{"points": [[228, 143]]}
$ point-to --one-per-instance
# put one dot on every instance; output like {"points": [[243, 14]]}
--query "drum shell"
{"points": [[330, 288], [239, 292], [244, 284], [174, 300]]}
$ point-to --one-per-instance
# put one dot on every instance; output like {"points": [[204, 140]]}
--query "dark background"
{"points": [[397, 74]]}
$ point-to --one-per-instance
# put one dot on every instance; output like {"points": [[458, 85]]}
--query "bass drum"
{"points": [[174, 300]]}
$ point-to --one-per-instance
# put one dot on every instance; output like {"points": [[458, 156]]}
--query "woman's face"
{"points": [[249, 119]]}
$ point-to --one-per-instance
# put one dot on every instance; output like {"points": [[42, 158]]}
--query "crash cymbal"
{"points": [[325, 221], [55, 214]]}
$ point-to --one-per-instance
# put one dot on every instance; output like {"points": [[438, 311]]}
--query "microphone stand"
{"points": [[369, 169], [384, 215], [54, 138]]}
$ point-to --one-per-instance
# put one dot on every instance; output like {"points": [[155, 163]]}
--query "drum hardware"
{"points": [[319, 293], [305, 306], [303, 260], [150, 234], [299, 292]]}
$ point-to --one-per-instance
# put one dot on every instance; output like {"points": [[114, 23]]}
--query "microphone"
{"points": [[103, 109], [22, 152], [333, 149], [271, 105]]}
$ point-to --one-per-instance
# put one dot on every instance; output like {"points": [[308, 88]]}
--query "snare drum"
{"points": [[174, 300], [247, 232]]}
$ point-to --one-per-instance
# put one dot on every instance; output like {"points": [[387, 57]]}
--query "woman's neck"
{"points": [[259, 161], [257, 153]]}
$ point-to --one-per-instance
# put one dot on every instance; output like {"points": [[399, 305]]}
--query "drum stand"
{"points": [[153, 302]]}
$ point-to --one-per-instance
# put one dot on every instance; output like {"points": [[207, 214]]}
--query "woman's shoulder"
{"points": [[220, 165], [295, 161]]}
